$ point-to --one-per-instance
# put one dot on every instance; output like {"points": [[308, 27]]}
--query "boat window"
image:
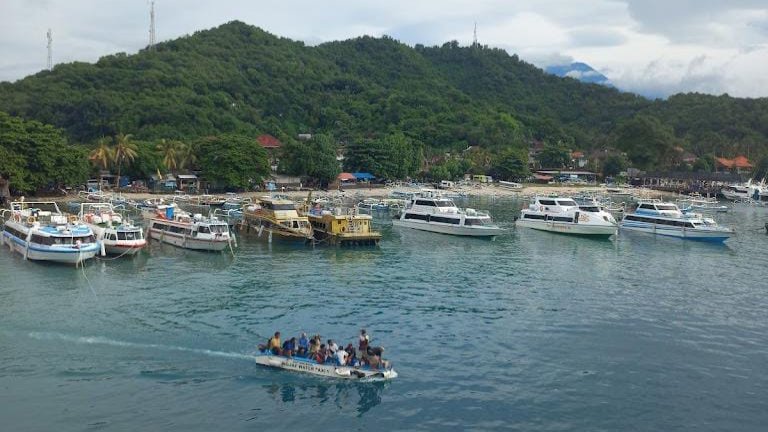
{"points": [[416, 216], [445, 203], [477, 221], [202, 229], [443, 219], [647, 206], [666, 207], [562, 219], [533, 216], [547, 202], [591, 209], [122, 235], [567, 202], [425, 203]]}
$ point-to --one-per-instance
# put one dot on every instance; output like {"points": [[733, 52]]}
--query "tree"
{"points": [[511, 164], [761, 169], [102, 156], [647, 142], [124, 151], [613, 165], [315, 159], [168, 150], [233, 161], [554, 155]]}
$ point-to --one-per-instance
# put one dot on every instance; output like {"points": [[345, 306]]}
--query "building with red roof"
{"points": [[269, 142]]}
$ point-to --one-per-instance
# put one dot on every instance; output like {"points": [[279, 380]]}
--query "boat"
{"points": [[371, 206], [210, 200], [510, 185], [197, 232], [40, 231], [276, 219], [564, 215], [306, 365], [434, 213], [343, 228], [666, 219], [116, 235], [741, 191]]}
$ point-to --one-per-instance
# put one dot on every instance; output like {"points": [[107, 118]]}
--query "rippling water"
{"points": [[532, 331]]}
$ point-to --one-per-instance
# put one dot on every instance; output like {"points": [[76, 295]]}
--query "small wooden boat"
{"points": [[300, 364]]}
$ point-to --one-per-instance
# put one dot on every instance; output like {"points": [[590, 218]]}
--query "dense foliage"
{"points": [[386, 105], [34, 156], [233, 161]]}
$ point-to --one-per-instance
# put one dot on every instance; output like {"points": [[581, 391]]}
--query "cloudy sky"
{"points": [[654, 47]]}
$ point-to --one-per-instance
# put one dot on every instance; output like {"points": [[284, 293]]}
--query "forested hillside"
{"points": [[368, 93]]}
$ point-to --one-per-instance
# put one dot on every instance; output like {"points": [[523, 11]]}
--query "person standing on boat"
{"points": [[341, 357], [363, 342], [303, 345]]}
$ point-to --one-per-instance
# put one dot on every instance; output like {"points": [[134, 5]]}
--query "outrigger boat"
{"points": [[301, 364], [40, 231]]}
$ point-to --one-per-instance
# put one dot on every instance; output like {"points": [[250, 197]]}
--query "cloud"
{"points": [[658, 46]]}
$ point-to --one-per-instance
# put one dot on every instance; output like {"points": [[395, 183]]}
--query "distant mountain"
{"points": [[580, 71]]}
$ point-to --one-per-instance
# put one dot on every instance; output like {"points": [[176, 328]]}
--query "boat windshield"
{"points": [[445, 203], [666, 207], [566, 202], [129, 235], [217, 229]]}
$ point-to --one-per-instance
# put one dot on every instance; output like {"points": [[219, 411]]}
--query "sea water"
{"points": [[533, 331]]}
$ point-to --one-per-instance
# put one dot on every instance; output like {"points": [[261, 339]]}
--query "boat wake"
{"points": [[100, 340]]}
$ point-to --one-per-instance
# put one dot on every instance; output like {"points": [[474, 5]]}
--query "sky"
{"points": [[652, 47]]}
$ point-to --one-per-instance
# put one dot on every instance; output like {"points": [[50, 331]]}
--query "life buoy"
{"points": [[31, 220], [72, 219]]}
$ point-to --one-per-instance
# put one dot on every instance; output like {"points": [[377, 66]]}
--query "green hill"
{"points": [[238, 79]]}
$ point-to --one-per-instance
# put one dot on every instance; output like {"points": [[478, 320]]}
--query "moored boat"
{"points": [[187, 231], [666, 219], [40, 231], [434, 213], [564, 215], [116, 235], [276, 219], [337, 227]]}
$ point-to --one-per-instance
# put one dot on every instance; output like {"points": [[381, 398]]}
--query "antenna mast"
{"points": [[152, 25], [474, 38], [49, 35]]}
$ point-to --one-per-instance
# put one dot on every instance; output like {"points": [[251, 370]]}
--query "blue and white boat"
{"points": [[666, 219], [40, 231]]}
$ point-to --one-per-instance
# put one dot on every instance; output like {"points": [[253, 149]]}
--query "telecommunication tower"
{"points": [[50, 49], [152, 25], [474, 36]]}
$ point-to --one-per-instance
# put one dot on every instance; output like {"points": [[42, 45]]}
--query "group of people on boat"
{"points": [[327, 353]]}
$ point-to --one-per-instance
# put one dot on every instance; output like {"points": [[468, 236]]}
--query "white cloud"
{"points": [[651, 46]]}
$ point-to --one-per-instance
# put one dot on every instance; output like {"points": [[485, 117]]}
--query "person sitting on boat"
{"points": [[332, 347], [314, 346], [303, 347], [321, 354], [374, 357], [289, 347], [274, 344], [341, 357], [352, 360]]}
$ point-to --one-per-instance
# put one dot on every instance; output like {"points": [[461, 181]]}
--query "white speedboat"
{"points": [[40, 231], [434, 213], [563, 215], [301, 364], [197, 232], [742, 192], [666, 219], [117, 236]]}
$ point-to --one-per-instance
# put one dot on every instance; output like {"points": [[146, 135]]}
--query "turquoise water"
{"points": [[533, 331]]}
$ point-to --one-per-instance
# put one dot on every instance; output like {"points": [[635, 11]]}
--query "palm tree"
{"points": [[125, 151], [168, 150], [187, 156], [101, 156]]}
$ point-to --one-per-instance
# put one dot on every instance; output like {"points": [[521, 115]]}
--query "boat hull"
{"points": [[569, 228], [187, 242], [474, 231], [325, 370], [64, 255], [686, 234]]}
